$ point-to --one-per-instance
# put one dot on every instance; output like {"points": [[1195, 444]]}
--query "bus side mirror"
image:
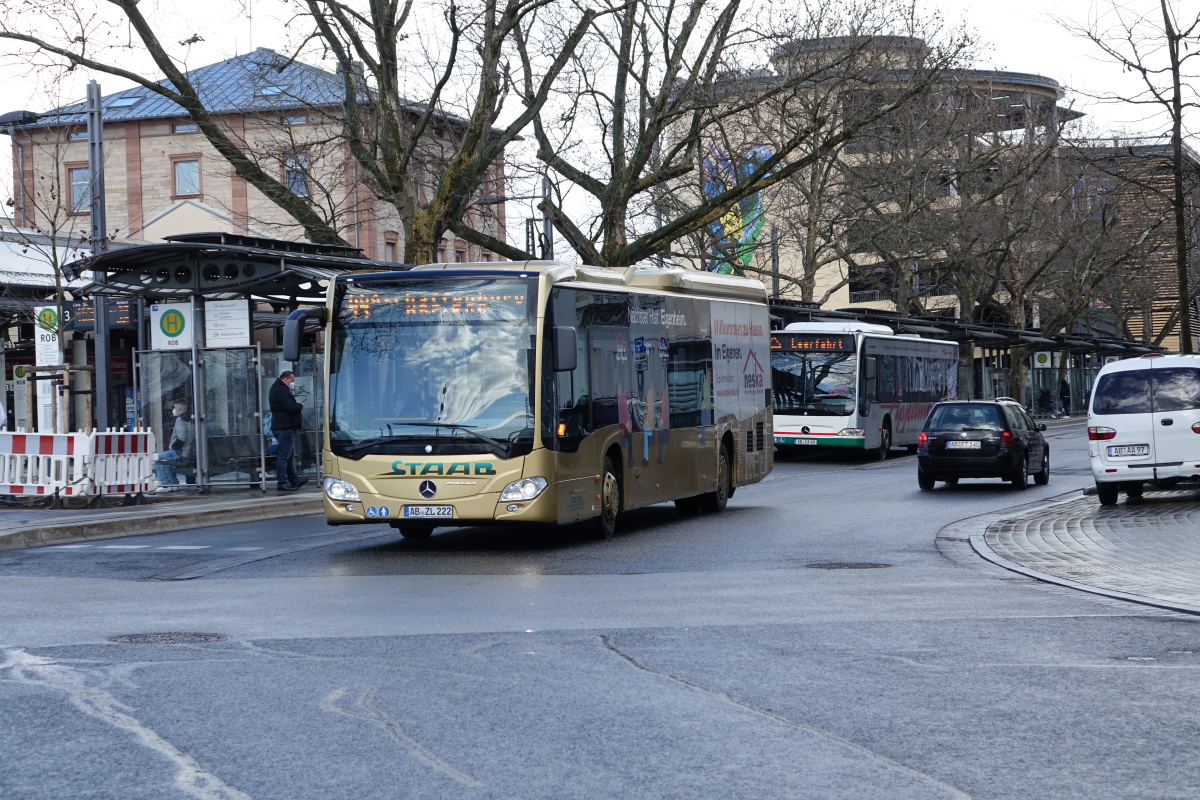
{"points": [[869, 368], [565, 357], [294, 327]]}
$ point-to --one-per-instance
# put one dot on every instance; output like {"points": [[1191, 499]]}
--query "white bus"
{"points": [[856, 385]]}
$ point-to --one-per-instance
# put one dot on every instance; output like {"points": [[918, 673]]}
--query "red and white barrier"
{"points": [[122, 462], [45, 463]]}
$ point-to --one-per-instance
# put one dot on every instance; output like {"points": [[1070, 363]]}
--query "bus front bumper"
{"points": [[483, 509], [800, 440]]}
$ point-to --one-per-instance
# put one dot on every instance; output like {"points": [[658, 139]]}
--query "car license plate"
{"points": [[1129, 450], [443, 512], [806, 441], [960, 445]]}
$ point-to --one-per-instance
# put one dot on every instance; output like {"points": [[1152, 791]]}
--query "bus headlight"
{"points": [[524, 489], [340, 491], [851, 432]]}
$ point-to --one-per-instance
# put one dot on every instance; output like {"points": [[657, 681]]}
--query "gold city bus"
{"points": [[538, 392]]}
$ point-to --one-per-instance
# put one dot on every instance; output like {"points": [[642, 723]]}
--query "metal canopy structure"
{"points": [[222, 264], [993, 336]]}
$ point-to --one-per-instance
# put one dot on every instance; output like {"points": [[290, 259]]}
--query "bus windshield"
{"points": [[814, 383], [433, 365]]}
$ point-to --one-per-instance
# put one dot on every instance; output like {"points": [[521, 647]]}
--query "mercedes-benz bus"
{"points": [[537, 392], [856, 385]]}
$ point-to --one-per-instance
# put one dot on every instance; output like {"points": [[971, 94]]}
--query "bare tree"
{"points": [[392, 139], [1154, 45], [658, 87]]}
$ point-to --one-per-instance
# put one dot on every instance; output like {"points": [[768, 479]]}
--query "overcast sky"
{"points": [[1022, 35]]}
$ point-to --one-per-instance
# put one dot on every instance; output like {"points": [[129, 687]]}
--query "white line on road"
{"points": [[123, 546], [184, 547], [44, 672]]}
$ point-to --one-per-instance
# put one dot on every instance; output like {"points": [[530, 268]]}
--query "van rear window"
{"points": [[1142, 391], [965, 417], [1176, 389], [1123, 393]]}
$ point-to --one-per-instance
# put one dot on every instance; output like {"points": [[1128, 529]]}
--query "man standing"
{"points": [[181, 449], [285, 422]]}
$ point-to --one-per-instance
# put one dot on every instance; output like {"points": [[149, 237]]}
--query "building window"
{"points": [[80, 180], [184, 127], [485, 257], [124, 102], [389, 251], [295, 174], [460, 256], [77, 135], [187, 177], [299, 119], [441, 255], [270, 91]]}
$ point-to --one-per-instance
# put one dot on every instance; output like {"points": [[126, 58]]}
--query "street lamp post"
{"points": [[547, 237]]}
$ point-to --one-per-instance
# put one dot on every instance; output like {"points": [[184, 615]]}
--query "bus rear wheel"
{"points": [[610, 500], [716, 501]]}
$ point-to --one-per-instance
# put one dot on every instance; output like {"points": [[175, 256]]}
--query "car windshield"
{"points": [[444, 363], [814, 383], [965, 417]]}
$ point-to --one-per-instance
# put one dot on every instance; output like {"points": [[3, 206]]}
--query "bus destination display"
{"points": [[816, 342], [496, 303]]}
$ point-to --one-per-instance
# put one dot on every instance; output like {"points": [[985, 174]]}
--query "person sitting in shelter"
{"points": [[181, 450]]}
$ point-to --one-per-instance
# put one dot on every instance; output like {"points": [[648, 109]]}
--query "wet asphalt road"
{"points": [[707, 656]]}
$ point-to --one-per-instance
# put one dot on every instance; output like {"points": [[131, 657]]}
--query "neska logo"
{"points": [[752, 378], [456, 468]]}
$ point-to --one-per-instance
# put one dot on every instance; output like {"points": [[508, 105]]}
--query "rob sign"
{"points": [[171, 326]]}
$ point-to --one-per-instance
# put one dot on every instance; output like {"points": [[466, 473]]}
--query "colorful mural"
{"points": [[736, 233]]}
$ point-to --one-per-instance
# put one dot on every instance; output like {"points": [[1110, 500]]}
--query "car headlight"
{"points": [[340, 491], [524, 489], [851, 432]]}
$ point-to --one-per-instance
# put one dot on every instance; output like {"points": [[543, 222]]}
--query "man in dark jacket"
{"points": [[285, 422]]}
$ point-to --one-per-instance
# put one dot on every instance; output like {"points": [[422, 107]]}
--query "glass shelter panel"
{"points": [[308, 390], [232, 429], [166, 379]]}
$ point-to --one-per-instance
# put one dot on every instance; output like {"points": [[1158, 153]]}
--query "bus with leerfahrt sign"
{"points": [[856, 385], [538, 392]]}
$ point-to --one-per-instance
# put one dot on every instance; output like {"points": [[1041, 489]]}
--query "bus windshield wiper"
{"points": [[503, 447], [365, 443]]}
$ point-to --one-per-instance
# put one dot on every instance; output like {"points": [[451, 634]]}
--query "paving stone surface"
{"points": [[1150, 549]]}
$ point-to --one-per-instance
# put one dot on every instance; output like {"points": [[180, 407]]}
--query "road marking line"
{"points": [[44, 672], [375, 715], [243, 548], [69, 546], [184, 547], [123, 546]]}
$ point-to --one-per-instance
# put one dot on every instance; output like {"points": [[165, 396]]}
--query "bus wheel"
{"points": [[413, 530], [610, 500], [885, 442], [716, 501]]}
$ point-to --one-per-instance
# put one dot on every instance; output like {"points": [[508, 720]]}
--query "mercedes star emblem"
{"points": [[427, 489]]}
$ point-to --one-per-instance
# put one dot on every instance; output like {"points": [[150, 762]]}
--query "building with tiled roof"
{"points": [[162, 177]]}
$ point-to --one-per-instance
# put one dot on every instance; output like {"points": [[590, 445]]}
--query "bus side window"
{"points": [[870, 379]]}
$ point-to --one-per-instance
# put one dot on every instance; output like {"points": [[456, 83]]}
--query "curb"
{"points": [[221, 512]]}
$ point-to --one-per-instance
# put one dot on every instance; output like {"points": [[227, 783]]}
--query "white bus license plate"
{"points": [[1129, 450], [805, 441], [443, 512], [959, 445]]}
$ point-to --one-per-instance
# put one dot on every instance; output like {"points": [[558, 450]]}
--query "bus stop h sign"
{"points": [[171, 326]]}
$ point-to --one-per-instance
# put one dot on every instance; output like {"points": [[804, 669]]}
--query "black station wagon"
{"points": [[982, 439]]}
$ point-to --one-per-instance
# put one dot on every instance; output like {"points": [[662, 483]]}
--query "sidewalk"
{"points": [[1146, 553], [28, 527]]}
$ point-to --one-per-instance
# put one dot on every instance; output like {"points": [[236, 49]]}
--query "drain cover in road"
{"points": [[847, 565], [175, 637]]}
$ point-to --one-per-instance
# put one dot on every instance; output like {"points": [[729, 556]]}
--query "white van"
{"points": [[1144, 424]]}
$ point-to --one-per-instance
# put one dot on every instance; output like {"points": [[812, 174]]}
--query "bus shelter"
{"points": [[214, 305]]}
